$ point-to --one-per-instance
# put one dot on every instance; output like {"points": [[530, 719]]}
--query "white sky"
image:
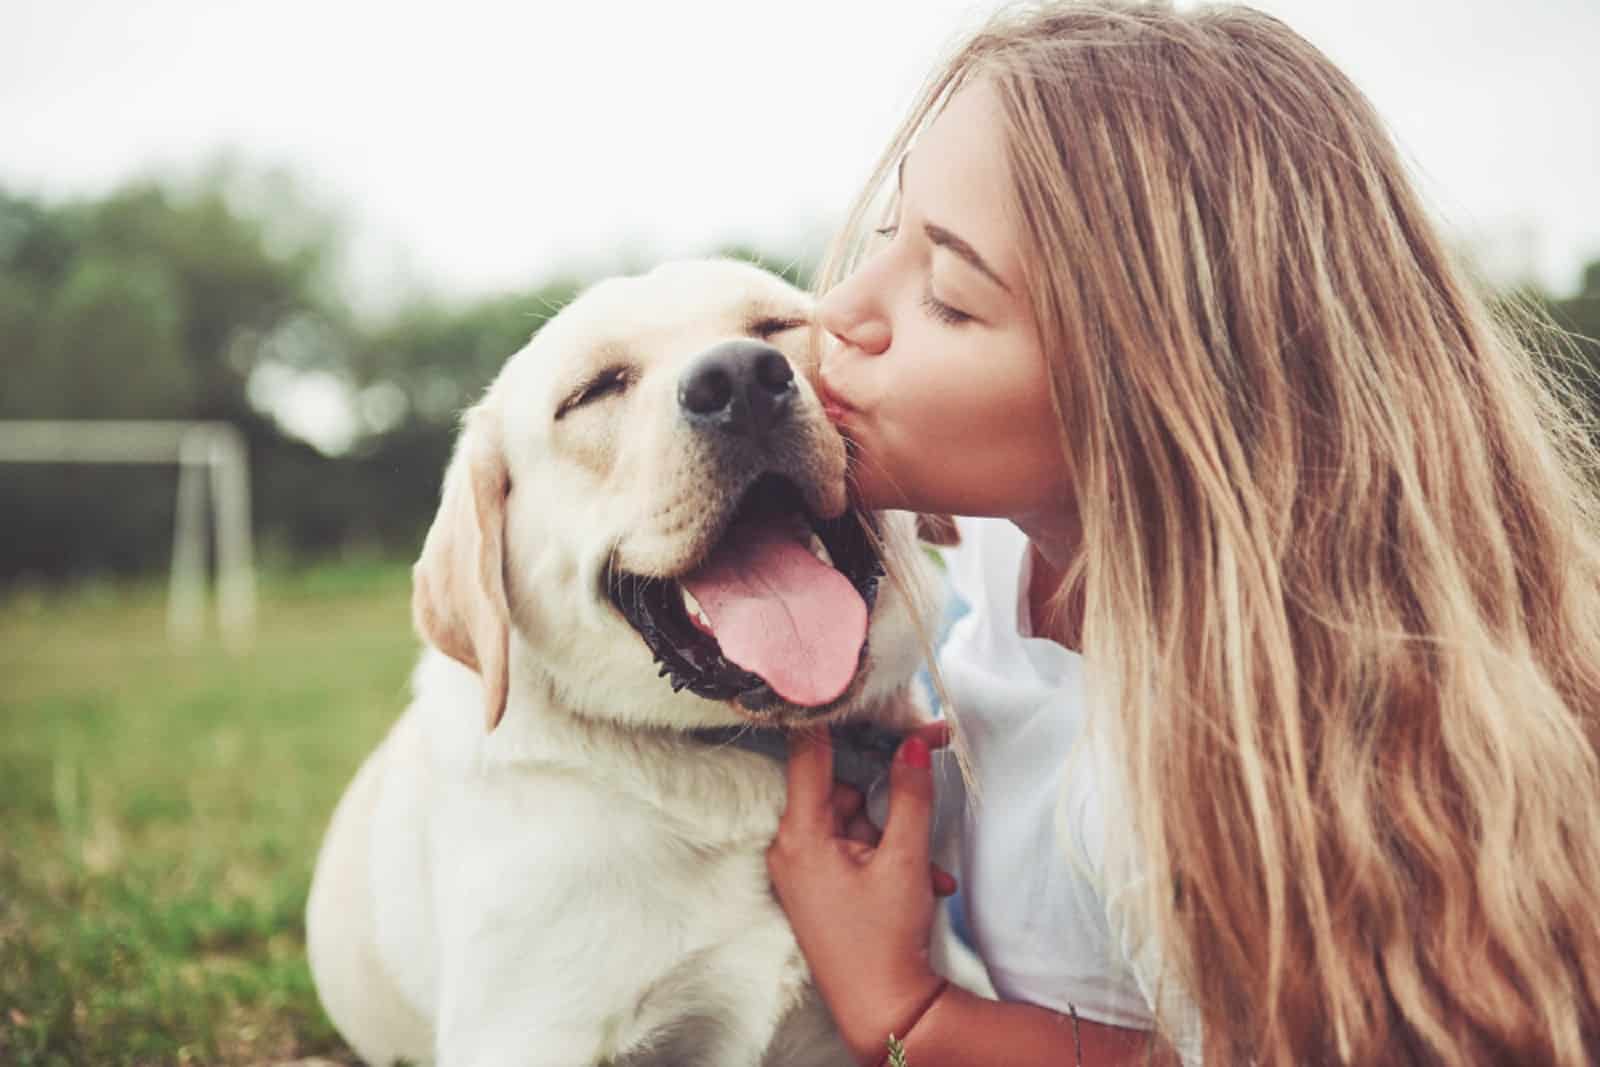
{"points": [[476, 146]]}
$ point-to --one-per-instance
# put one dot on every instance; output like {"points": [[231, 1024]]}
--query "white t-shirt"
{"points": [[1042, 916]]}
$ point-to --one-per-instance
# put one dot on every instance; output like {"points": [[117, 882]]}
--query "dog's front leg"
{"points": [[533, 956], [511, 1001], [542, 1006], [509, 1043], [572, 931]]}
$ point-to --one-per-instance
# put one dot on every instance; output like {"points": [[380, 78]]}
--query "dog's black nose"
{"points": [[740, 387]]}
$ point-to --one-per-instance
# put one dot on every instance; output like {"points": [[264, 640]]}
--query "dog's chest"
{"points": [[678, 844], [659, 908]]}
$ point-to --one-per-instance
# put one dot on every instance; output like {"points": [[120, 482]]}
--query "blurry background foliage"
{"points": [[217, 297]]}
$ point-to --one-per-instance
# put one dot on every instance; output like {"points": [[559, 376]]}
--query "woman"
{"points": [[1322, 788]]}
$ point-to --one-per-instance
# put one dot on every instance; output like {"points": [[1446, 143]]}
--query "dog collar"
{"points": [[862, 751]]}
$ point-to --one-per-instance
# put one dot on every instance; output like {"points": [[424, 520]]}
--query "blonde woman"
{"points": [[1281, 684]]}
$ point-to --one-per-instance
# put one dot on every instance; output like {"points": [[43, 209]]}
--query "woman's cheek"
{"points": [[928, 446], [897, 457]]}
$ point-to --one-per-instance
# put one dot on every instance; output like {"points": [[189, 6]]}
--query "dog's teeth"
{"points": [[820, 550], [694, 610]]}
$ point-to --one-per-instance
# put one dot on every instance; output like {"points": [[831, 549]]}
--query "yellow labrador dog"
{"points": [[642, 553]]}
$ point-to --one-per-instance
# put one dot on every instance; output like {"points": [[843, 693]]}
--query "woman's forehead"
{"points": [[956, 177]]}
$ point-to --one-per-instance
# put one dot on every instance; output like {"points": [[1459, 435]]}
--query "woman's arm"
{"points": [[962, 1029], [863, 912]]}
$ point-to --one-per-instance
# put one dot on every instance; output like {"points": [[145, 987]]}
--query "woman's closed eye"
{"points": [[944, 312]]}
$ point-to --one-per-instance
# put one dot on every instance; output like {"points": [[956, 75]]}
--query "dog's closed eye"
{"points": [[612, 381], [768, 326]]}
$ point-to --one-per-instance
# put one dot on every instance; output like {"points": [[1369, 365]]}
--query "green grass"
{"points": [[160, 810]]}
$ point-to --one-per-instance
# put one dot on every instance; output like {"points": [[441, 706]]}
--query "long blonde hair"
{"points": [[1340, 564]]}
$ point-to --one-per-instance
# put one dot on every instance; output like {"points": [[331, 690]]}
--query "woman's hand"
{"points": [[862, 907]]}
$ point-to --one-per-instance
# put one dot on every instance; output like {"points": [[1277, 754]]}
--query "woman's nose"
{"points": [[848, 312]]}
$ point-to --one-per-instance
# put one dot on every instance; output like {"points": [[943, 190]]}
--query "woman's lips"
{"points": [[834, 407]]}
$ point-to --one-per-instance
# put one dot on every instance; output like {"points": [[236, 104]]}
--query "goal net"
{"points": [[207, 454]]}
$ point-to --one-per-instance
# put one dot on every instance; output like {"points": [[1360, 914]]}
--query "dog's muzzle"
{"points": [[774, 609]]}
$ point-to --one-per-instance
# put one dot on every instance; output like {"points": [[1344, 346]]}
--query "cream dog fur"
{"points": [[584, 882]]}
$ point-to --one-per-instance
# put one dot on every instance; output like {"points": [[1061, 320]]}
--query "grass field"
{"points": [[161, 812]]}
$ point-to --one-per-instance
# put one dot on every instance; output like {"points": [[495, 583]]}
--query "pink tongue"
{"points": [[781, 613]]}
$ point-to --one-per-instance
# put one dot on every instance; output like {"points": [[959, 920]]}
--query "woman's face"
{"points": [[937, 374]]}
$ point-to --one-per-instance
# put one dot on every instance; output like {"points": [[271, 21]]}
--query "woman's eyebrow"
{"points": [[943, 238]]}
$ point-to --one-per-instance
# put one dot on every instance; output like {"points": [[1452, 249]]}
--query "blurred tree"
{"points": [[1580, 312], [1577, 349], [36, 249], [128, 307], [110, 343], [441, 358]]}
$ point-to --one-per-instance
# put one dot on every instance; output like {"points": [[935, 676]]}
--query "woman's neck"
{"points": [[1052, 542]]}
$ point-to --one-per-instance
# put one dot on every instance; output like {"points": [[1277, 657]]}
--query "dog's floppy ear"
{"points": [[458, 589], [937, 530]]}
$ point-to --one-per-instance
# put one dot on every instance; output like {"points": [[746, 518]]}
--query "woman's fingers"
{"points": [[848, 802], [944, 883], [860, 828], [809, 806], [910, 802], [934, 734], [850, 808]]}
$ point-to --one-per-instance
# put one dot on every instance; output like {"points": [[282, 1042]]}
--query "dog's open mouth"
{"points": [[776, 613]]}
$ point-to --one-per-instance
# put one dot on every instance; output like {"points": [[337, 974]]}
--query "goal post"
{"points": [[207, 454]]}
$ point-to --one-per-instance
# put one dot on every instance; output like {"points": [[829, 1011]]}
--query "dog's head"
{"points": [[650, 506]]}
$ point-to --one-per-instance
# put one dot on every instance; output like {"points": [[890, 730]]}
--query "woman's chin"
{"points": [[868, 493], [875, 492], [877, 483]]}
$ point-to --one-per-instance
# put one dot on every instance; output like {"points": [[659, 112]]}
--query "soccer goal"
{"points": [[211, 453]]}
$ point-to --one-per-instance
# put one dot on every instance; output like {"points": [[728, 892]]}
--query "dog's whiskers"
{"points": [[609, 570]]}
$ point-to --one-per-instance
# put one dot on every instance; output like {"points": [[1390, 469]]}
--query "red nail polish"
{"points": [[914, 753]]}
